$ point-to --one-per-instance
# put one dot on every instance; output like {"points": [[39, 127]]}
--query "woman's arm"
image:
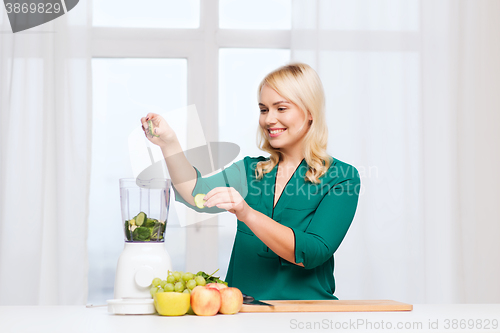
{"points": [[279, 238], [181, 171]]}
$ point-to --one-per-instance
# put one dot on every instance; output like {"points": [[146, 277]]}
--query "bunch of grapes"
{"points": [[179, 282]]}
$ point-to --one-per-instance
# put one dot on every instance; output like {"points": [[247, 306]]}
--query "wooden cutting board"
{"points": [[329, 306]]}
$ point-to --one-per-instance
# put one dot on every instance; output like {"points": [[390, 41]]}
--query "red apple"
{"points": [[205, 301], [231, 300], [217, 286]]}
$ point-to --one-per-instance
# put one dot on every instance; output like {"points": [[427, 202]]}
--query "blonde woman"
{"points": [[293, 208]]}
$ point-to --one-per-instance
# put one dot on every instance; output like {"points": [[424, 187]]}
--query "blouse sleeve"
{"points": [[233, 176], [329, 225]]}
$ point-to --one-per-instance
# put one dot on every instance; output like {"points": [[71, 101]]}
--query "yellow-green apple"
{"points": [[218, 286], [205, 301], [231, 300]]}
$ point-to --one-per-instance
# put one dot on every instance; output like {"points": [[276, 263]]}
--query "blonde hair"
{"points": [[301, 85]]}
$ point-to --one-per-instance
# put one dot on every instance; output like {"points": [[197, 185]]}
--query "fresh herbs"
{"points": [[211, 278]]}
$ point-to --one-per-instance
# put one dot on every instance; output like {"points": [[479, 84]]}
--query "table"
{"points": [[423, 318]]}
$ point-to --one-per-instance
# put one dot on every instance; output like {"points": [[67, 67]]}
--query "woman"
{"points": [[293, 207]]}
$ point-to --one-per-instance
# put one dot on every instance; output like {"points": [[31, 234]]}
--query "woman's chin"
{"points": [[276, 145]]}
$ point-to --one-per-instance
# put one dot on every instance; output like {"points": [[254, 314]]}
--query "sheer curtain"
{"points": [[412, 102], [45, 160]]}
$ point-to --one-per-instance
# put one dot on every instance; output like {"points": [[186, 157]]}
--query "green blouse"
{"points": [[318, 214]]}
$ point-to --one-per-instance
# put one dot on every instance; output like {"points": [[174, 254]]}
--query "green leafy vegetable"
{"points": [[150, 223], [141, 234]]}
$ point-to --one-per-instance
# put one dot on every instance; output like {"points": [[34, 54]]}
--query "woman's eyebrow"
{"points": [[275, 103]]}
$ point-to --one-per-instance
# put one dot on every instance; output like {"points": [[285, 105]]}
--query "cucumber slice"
{"points": [[198, 200], [151, 129], [140, 218]]}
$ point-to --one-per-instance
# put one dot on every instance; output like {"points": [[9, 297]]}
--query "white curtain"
{"points": [[413, 102], [45, 137]]}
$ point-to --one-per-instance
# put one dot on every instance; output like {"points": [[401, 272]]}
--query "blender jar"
{"points": [[145, 205]]}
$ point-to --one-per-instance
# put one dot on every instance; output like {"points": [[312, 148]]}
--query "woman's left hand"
{"points": [[229, 199]]}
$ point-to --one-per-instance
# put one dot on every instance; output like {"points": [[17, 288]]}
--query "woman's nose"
{"points": [[271, 117]]}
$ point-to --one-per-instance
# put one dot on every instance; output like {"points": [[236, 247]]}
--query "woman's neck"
{"points": [[291, 160]]}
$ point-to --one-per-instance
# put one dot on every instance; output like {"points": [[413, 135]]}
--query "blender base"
{"points": [[131, 306]]}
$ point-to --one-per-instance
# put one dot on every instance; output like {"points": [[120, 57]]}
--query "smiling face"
{"points": [[282, 120]]}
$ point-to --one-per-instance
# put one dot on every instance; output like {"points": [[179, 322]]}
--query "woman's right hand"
{"points": [[163, 133]]}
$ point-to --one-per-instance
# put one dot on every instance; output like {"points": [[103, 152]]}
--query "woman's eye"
{"points": [[281, 109], [262, 110]]}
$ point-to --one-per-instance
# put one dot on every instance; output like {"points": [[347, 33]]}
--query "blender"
{"points": [[145, 206]]}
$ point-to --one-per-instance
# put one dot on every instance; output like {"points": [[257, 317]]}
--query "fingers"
{"points": [[145, 124], [150, 116], [226, 206], [219, 190], [221, 195]]}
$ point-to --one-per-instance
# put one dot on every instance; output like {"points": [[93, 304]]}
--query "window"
{"points": [[255, 14], [359, 15], [195, 60], [183, 14]]}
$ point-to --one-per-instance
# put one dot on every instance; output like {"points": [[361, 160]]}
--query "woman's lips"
{"points": [[277, 134]]}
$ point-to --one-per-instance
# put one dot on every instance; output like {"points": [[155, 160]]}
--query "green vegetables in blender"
{"points": [[144, 229]]}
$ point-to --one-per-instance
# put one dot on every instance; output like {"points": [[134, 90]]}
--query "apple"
{"points": [[218, 286], [205, 301], [171, 304], [231, 300]]}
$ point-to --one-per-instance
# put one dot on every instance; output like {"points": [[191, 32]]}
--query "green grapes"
{"points": [[177, 275], [179, 287], [200, 280], [187, 276], [191, 284], [181, 282], [169, 287], [156, 282]]}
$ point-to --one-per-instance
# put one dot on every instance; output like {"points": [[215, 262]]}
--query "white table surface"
{"points": [[69, 319]]}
